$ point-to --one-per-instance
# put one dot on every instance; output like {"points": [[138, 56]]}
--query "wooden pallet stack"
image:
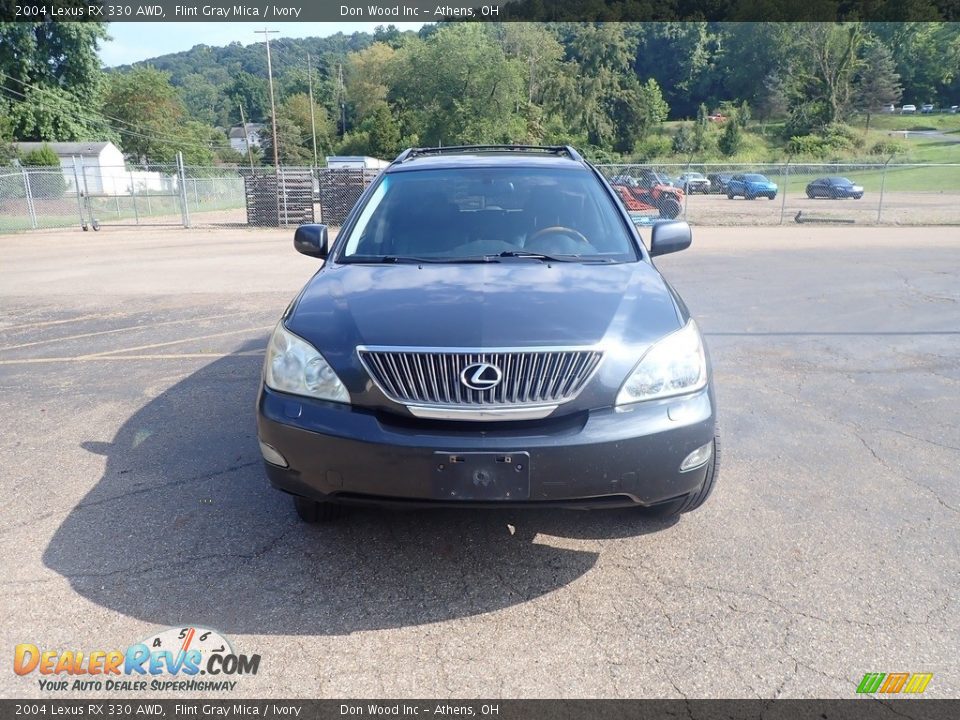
{"points": [[339, 191], [273, 204]]}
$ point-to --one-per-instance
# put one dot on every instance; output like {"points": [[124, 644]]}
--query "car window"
{"points": [[457, 214], [753, 177]]}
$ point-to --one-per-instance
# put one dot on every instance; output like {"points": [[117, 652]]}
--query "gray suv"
{"points": [[488, 330]]}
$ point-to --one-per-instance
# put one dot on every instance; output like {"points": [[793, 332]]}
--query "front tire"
{"points": [[730, 195], [670, 208], [311, 511]]}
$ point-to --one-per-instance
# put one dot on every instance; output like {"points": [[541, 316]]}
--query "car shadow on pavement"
{"points": [[183, 528]]}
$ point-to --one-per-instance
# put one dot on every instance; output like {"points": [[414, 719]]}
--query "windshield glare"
{"points": [[456, 214], [756, 178]]}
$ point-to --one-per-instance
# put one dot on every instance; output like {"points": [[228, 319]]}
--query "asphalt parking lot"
{"points": [[134, 497]]}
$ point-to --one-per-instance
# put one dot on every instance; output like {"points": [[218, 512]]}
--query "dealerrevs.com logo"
{"points": [[189, 659]]}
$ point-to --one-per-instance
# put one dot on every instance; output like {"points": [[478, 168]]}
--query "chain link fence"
{"points": [[84, 195], [893, 194], [89, 196]]}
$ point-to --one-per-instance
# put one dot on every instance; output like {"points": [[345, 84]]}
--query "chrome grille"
{"points": [[546, 376]]}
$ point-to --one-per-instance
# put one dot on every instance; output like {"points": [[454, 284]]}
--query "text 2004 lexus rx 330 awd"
{"points": [[488, 329]]}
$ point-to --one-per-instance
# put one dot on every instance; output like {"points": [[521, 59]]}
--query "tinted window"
{"points": [[453, 214], [753, 177]]}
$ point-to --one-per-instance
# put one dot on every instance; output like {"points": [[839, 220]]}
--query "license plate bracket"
{"points": [[482, 475]]}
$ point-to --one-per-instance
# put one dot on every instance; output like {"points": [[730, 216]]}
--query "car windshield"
{"points": [[753, 177], [840, 181], [489, 215]]}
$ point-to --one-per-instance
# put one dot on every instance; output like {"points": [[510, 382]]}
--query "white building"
{"points": [[355, 162], [100, 169], [96, 163], [253, 136]]}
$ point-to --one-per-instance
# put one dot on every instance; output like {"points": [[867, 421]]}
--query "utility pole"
{"points": [[246, 138], [273, 118], [313, 122], [273, 106], [341, 100]]}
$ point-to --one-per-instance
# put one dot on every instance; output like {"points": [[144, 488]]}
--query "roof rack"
{"points": [[411, 153]]}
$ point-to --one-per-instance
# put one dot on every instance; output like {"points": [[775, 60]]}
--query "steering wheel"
{"points": [[560, 230]]}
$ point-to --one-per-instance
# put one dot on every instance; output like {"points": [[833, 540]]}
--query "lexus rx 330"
{"points": [[488, 330]]}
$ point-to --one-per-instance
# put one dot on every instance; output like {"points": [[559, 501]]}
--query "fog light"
{"points": [[271, 455], [697, 458]]}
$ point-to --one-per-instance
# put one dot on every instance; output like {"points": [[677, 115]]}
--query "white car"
{"points": [[908, 109], [890, 108]]}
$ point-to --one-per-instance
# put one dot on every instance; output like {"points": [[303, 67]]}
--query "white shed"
{"points": [[99, 165], [355, 162]]}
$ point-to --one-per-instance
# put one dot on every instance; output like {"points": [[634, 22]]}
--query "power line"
{"points": [[100, 117]]}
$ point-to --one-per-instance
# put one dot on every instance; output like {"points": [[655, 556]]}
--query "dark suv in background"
{"points": [[488, 329]]}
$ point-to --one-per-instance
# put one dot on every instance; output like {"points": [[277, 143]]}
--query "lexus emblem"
{"points": [[481, 376]]}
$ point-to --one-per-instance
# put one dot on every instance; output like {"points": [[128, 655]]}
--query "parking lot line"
{"points": [[116, 330], [169, 356]]}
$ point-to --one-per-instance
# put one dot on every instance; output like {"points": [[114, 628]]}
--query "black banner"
{"points": [[388, 11], [867, 708]]}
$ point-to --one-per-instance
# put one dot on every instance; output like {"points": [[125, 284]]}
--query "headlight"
{"points": [[294, 366], [673, 366]]}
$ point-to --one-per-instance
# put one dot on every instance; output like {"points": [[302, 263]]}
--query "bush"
{"points": [[43, 156], [808, 146], [684, 142], [731, 139], [887, 147], [651, 147]]}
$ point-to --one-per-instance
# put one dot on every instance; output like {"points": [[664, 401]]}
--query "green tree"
{"points": [[457, 86], [52, 79], [293, 145], [146, 109], [731, 139], [879, 82], [684, 142], [700, 128], [296, 109], [383, 133], [827, 83], [253, 93]]}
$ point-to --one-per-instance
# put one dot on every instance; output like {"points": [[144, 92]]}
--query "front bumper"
{"points": [[599, 458]]}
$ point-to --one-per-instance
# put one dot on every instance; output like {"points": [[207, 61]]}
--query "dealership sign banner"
{"points": [[113, 708], [471, 10]]}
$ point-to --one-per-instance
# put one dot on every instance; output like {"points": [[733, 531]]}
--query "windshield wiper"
{"points": [[535, 256], [550, 258]]}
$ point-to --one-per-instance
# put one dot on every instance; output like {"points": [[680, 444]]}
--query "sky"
{"points": [[135, 41]]}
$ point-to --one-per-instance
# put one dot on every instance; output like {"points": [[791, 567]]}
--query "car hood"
{"points": [[502, 304]]}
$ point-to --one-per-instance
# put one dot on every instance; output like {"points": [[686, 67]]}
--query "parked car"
{"points": [[954, 108], [646, 190], [717, 118], [834, 187], [908, 109], [751, 186], [719, 181], [693, 182], [926, 108], [889, 108], [488, 329]]}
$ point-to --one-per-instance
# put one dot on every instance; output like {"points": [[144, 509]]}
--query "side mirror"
{"points": [[669, 236], [312, 240]]}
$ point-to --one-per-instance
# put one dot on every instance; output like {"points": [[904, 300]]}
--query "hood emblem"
{"points": [[481, 376]]}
